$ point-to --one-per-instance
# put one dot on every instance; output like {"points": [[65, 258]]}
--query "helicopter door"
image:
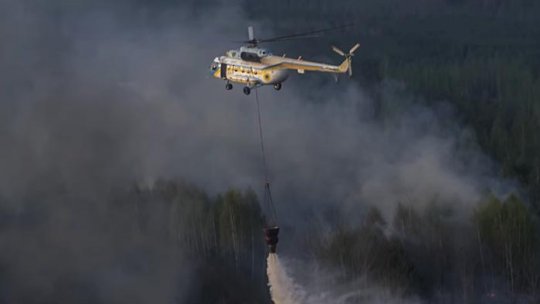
{"points": [[224, 71]]}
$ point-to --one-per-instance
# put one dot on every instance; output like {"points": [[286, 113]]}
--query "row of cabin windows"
{"points": [[236, 69]]}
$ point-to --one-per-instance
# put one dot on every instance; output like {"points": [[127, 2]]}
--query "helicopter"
{"points": [[254, 66]]}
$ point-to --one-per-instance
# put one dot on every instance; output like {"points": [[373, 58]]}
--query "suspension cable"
{"points": [[261, 138], [267, 193]]}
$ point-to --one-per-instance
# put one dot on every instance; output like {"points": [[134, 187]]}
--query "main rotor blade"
{"points": [[350, 69], [338, 51], [291, 38], [310, 33], [354, 48], [285, 39]]}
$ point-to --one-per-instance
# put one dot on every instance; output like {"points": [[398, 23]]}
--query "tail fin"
{"points": [[346, 65]]}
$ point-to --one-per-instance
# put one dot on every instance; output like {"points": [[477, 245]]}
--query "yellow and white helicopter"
{"points": [[254, 67]]}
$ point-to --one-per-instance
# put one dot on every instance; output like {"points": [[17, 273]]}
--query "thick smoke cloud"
{"points": [[92, 101], [96, 98], [134, 101]]}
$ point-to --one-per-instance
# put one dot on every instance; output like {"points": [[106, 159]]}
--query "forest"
{"points": [[79, 223], [490, 257], [482, 57]]}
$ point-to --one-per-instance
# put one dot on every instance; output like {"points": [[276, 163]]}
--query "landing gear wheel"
{"points": [[247, 90], [228, 86], [277, 86]]}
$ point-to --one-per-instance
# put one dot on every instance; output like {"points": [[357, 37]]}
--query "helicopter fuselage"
{"points": [[245, 72], [248, 66]]}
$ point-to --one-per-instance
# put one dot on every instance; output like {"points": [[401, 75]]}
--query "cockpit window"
{"points": [[214, 66]]}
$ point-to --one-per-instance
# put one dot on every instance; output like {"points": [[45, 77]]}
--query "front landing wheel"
{"points": [[277, 86], [247, 90], [228, 86]]}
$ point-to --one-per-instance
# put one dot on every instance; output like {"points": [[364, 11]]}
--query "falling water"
{"points": [[282, 287]]}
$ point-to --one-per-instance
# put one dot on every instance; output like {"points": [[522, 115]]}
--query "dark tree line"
{"points": [[169, 243], [445, 257], [222, 238], [439, 253]]}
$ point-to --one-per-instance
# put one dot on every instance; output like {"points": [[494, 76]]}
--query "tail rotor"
{"points": [[348, 56]]}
